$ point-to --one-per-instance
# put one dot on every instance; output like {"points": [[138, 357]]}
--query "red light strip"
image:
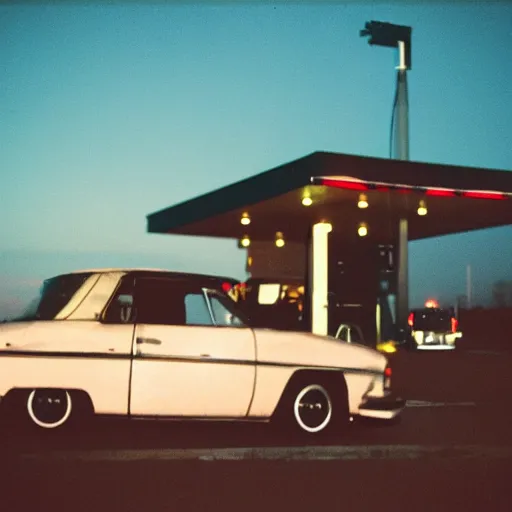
{"points": [[348, 185], [440, 192], [485, 195], [405, 189]]}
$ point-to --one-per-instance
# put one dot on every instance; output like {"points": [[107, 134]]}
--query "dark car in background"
{"points": [[433, 328]]}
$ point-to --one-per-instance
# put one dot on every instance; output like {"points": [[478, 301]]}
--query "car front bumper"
{"points": [[386, 407]]}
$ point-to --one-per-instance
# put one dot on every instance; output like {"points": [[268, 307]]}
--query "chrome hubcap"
{"points": [[313, 408]]}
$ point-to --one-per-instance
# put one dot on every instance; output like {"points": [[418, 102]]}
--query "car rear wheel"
{"points": [[49, 408], [314, 408], [40, 409]]}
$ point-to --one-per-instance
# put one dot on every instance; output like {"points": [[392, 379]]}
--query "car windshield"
{"points": [[53, 296]]}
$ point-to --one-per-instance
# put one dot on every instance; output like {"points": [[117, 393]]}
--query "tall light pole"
{"points": [[469, 288], [395, 36], [398, 36]]}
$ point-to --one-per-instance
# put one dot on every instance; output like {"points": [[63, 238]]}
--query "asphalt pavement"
{"points": [[451, 450]]}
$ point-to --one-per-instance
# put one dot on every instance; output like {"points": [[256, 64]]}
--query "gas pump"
{"points": [[362, 289], [353, 287]]}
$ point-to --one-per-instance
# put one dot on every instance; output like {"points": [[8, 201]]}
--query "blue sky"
{"points": [[108, 113]]}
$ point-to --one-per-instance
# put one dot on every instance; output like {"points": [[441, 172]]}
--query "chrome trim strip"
{"points": [[63, 355], [213, 419], [182, 359]]}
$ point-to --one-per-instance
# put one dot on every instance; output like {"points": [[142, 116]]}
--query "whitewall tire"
{"points": [[312, 408], [49, 408]]}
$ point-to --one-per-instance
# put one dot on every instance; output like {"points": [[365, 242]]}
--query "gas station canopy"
{"points": [[457, 199]]}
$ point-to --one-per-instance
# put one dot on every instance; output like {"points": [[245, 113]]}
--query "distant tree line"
{"points": [[502, 293]]}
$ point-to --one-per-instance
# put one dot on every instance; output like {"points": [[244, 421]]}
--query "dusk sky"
{"points": [[108, 113]]}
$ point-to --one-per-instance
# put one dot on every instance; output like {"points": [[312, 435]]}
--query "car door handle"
{"points": [[148, 341]]}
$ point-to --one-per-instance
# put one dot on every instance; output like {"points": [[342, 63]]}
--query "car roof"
{"points": [[147, 272], [116, 269]]}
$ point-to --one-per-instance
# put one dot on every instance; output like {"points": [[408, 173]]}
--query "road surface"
{"points": [[452, 450]]}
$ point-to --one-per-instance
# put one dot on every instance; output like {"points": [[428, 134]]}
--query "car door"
{"points": [[187, 362]]}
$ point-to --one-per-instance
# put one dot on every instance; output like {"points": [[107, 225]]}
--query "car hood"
{"points": [[306, 349]]}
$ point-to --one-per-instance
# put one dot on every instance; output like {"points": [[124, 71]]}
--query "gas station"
{"points": [[341, 223]]}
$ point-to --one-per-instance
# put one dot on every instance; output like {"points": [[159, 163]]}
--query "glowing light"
{"points": [[363, 201], [435, 347], [307, 201], [245, 220], [410, 320], [440, 192], [387, 347], [349, 185], [249, 261], [279, 239], [485, 195], [422, 208], [431, 303], [245, 242], [362, 230], [353, 184]]}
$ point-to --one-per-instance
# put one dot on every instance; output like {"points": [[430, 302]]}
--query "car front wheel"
{"points": [[314, 408]]}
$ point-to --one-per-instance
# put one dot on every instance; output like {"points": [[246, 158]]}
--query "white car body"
{"points": [[202, 371]]}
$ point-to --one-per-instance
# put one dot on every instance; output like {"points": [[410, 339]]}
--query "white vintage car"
{"points": [[159, 344]]}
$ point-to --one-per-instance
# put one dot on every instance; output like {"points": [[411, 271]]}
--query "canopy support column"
{"points": [[402, 305], [318, 287]]}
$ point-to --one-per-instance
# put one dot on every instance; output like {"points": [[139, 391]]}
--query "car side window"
{"points": [[196, 310], [162, 301], [120, 309], [223, 314]]}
